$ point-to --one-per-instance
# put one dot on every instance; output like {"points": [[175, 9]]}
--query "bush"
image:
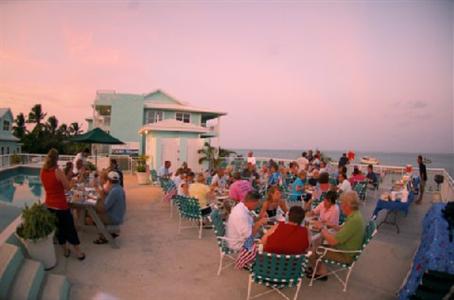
{"points": [[90, 166], [37, 222], [142, 163], [15, 159]]}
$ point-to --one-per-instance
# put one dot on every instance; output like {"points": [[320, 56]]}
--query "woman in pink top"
{"points": [[328, 211]]}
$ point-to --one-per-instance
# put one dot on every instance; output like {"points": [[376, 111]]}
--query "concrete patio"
{"points": [[154, 262]]}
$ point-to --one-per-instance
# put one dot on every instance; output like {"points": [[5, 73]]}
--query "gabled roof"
{"points": [[173, 125], [159, 96], [5, 110]]}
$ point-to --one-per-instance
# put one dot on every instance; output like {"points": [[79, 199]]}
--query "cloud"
{"points": [[416, 104]]}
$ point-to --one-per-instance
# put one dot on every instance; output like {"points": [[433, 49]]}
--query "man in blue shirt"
{"points": [[111, 206]]}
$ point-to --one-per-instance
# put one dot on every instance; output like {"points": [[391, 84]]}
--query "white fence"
{"points": [[388, 173], [125, 162]]}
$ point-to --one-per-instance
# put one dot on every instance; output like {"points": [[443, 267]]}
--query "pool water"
{"points": [[20, 186]]}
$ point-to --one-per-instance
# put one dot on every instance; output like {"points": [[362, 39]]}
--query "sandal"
{"points": [[100, 241], [81, 257], [66, 253]]}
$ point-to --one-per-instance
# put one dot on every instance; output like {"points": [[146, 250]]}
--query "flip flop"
{"points": [[81, 257], [100, 241]]}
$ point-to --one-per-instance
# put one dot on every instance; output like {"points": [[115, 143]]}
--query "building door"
{"points": [[170, 150], [193, 146]]}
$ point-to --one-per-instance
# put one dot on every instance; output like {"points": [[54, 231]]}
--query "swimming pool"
{"points": [[20, 186]]}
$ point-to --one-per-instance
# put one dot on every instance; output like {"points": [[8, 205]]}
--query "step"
{"points": [[55, 287], [28, 281], [11, 259]]}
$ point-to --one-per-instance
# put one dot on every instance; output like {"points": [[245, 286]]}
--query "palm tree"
{"points": [[19, 130], [75, 129], [36, 115], [214, 156], [52, 124], [63, 130]]}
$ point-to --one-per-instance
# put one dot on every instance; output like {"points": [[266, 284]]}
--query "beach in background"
{"points": [[439, 160]]}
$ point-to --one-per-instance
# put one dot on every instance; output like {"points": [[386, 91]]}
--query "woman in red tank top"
{"points": [[288, 238], [55, 183]]}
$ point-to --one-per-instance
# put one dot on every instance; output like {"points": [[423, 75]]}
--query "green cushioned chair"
{"points": [[277, 271], [222, 240], [361, 189], [154, 177], [189, 209], [336, 267]]}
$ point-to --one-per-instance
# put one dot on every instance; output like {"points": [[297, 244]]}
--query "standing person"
{"points": [[80, 156], [343, 161], [251, 158], [114, 167], [303, 162], [55, 184], [164, 171], [423, 178]]}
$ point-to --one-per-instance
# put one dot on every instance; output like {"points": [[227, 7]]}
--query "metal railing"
{"points": [[388, 173]]}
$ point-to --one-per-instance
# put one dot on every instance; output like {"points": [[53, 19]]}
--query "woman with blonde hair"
{"points": [[272, 202], [55, 184]]}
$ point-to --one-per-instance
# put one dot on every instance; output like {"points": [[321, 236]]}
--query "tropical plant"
{"points": [[15, 159], [214, 156], [36, 115], [75, 129], [52, 125], [19, 130], [37, 222], [142, 163]]}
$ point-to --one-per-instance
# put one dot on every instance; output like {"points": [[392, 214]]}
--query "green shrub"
{"points": [[37, 222], [15, 159], [142, 163]]}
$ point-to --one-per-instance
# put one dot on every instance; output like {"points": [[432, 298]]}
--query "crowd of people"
{"points": [[284, 195], [58, 184]]}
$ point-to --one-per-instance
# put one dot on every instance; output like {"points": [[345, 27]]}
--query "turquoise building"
{"points": [[9, 144], [156, 125]]}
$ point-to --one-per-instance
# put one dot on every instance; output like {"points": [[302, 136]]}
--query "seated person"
{"points": [[183, 189], [114, 167], [239, 188], [298, 186], [357, 176], [348, 237], [314, 176], [328, 211], [202, 192], [275, 178], [371, 176], [272, 202], [344, 185], [164, 171], [287, 238], [292, 172], [220, 179], [240, 225], [68, 170], [111, 206], [251, 174]]}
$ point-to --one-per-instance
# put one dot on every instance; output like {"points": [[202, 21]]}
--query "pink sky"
{"points": [[337, 75]]}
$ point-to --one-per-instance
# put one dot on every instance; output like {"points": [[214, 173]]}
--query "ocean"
{"points": [[439, 160]]}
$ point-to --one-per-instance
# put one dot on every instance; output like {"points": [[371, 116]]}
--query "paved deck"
{"points": [[154, 262]]}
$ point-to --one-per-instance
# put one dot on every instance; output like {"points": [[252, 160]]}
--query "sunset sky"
{"points": [[364, 75]]}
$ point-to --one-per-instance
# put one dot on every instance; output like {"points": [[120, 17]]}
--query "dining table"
{"points": [[85, 200]]}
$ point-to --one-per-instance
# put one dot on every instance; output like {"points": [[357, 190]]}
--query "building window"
{"points": [[184, 117], [3, 151], [6, 125], [153, 116], [7, 150]]}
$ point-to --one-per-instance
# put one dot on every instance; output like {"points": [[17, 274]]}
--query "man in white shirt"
{"points": [[303, 162], [240, 224], [251, 158], [164, 171], [220, 179], [344, 185], [80, 156]]}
